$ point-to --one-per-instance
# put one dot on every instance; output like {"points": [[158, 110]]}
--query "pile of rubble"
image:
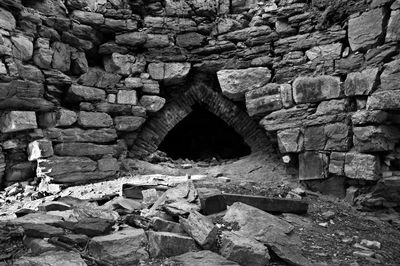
{"points": [[151, 219]]}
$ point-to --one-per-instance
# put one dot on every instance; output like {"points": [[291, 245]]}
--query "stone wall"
{"points": [[80, 78]]}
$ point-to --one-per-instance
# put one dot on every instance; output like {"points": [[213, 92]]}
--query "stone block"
{"points": [[204, 257], [89, 18], [7, 20], [375, 138], [393, 28], [361, 83], [103, 135], [94, 119], [362, 166], [42, 230], [52, 258], [124, 64], [316, 89], [83, 149], [108, 164], [314, 138], [263, 100], [211, 200], [92, 227], [38, 246], [162, 225], [169, 73], [243, 250], [66, 117], [366, 31], [334, 185], [22, 47], [290, 140], [336, 163], [150, 86], [79, 93], [61, 56], [333, 107], [152, 103], [201, 229], [125, 247], [97, 77], [384, 100], [190, 40], [127, 97], [133, 83], [57, 166], [131, 38], [391, 75], [166, 244], [128, 123], [14, 121], [338, 137], [313, 165], [41, 148], [286, 95], [235, 83], [365, 117], [157, 41]]}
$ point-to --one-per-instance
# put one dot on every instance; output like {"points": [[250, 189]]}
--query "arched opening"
{"points": [[201, 135]]}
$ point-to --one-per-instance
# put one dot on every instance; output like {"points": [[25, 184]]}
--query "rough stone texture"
{"points": [[375, 138], [40, 149], [243, 250], [103, 135], [52, 258], [263, 100], [201, 229], [124, 64], [17, 121], [364, 117], [390, 76], [366, 31], [308, 89], [127, 97], [78, 93], [362, 166], [22, 47], [235, 83], [361, 83], [7, 20], [393, 28], [166, 244], [83, 149], [313, 165], [57, 166], [202, 258], [169, 73], [336, 163], [94, 120], [152, 103], [291, 140], [384, 100], [128, 123], [123, 247]]}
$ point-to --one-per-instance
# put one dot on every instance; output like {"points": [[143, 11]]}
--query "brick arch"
{"points": [[156, 129]]}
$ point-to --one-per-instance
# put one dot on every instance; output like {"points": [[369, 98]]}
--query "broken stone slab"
{"points": [[14, 121], [56, 166], [291, 140], [366, 31], [361, 83], [36, 218], [243, 250], [52, 258], [102, 135], [384, 100], [79, 93], [94, 119], [92, 227], [200, 228], [123, 205], [166, 244], [180, 207], [235, 83], [269, 230], [161, 225], [134, 191], [315, 89], [202, 258], [38, 149], [42, 230], [74, 239], [274, 205], [211, 200], [169, 73], [38, 246], [54, 206]]}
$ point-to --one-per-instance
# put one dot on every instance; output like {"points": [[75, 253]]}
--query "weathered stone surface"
{"points": [[99, 78], [262, 100], [41, 148], [384, 100], [78, 93], [336, 163], [124, 64], [131, 39], [390, 76], [61, 57], [325, 52], [313, 165], [333, 107], [52, 258], [290, 140], [157, 41], [366, 30], [362, 166], [108, 164], [286, 95], [42, 230], [92, 227], [364, 117], [338, 137], [21, 88], [202, 258], [127, 97], [22, 47], [268, 229], [152, 103], [201, 229], [190, 40], [7, 20], [122, 248], [14, 121], [393, 28], [83, 149], [174, 24], [133, 83], [243, 250], [169, 73], [79, 63], [128, 123], [235, 83], [166, 244], [103, 135], [375, 138], [309, 89], [89, 18], [57, 166], [211, 200], [94, 119], [65, 117], [39, 246], [314, 138], [361, 83], [162, 225], [36, 218]]}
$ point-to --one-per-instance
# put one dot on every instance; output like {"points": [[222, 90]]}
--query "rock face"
{"points": [[235, 83]]}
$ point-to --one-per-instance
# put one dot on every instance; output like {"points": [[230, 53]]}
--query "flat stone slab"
{"points": [[42, 230], [202, 258], [165, 244], [52, 258]]}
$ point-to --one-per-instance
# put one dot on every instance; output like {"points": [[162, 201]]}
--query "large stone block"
{"points": [[59, 166], [235, 83], [165, 244], [393, 28], [265, 99], [313, 165], [7, 20], [22, 47], [41, 148], [83, 149], [391, 75], [79, 93], [124, 64], [125, 247], [127, 97], [97, 77], [315, 89], [338, 137], [361, 83], [291, 140], [366, 31], [89, 18], [128, 123], [169, 73], [14, 121], [336, 163], [204, 257], [375, 138], [362, 166], [94, 119], [103, 135], [314, 138], [131, 38]]}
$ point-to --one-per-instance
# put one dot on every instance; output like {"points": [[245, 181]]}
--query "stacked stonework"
{"points": [[80, 78]]}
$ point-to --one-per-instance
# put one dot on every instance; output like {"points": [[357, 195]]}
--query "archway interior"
{"points": [[202, 136]]}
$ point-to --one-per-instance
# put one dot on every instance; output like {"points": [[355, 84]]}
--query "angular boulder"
{"points": [[127, 97], [235, 83], [375, 138], [22, 47], [391, 75]]}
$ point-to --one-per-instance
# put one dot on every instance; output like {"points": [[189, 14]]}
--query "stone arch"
{"points": [[156, 129]]}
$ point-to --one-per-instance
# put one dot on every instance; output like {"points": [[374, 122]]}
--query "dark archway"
{"points": [[202, 135], [156, 129]]}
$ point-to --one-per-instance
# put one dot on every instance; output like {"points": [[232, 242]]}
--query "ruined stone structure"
{"points": [[86, 83]]}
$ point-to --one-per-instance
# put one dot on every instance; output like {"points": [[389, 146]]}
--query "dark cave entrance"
{"points": [[202, 136]]}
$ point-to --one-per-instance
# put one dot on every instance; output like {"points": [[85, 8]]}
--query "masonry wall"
{"points": [[79, 79]]}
